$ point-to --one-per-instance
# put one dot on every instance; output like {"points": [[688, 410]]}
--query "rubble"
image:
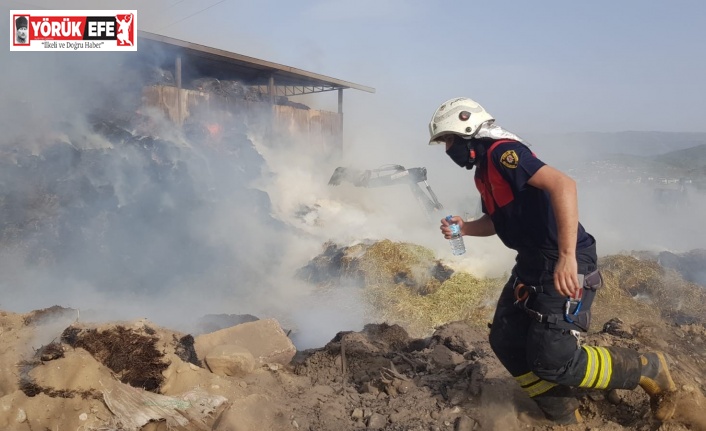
{"points": [[230, 360], [378, 378], [264, 339]]}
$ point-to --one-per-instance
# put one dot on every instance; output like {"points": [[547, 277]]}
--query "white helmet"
{"points": [[460, 116]]}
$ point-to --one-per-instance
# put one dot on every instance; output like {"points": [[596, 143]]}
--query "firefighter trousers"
{"points": [[546, 359]]}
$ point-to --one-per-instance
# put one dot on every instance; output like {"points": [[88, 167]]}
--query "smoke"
{"points": [[629, 217], [107, 207], [110, 209], [631, 196]]}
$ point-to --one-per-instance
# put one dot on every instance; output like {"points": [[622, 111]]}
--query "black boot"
{"points": [[559, 405], [569, 419]]}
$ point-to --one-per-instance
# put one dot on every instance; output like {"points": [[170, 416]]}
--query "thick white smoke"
{"points": [[106, 206]]}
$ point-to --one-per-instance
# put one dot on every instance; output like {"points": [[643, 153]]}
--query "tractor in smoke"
{"points": [[392, 175]]}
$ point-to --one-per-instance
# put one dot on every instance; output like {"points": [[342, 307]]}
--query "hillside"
{"points": [[650, 154], [587, 146], [689, 159]]}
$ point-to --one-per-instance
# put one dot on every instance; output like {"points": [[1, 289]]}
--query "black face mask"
{"points": [[462, 152]]}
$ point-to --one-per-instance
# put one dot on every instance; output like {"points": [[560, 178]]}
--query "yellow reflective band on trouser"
{"points": [[533, 385], [599, 368]]}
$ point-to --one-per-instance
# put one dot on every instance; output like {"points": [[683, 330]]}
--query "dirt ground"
{"points": [[378, 378], [60, 373]]}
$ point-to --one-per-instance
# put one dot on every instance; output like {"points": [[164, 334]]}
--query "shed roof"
{"points": [[201, 61]]}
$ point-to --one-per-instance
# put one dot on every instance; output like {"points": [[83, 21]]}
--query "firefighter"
{"points": [[546, 304]]}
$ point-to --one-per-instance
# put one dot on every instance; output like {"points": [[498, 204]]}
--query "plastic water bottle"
{"points": [[457, 245]]}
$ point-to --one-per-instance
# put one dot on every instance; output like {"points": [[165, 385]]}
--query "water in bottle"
{"points": [[457, 245]]}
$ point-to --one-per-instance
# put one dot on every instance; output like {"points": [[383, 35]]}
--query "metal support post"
{"points": [[271, 89], [340, 119], [177, 66]]}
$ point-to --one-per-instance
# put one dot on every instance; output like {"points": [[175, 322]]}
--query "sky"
{"points": [[572, 66], [553, 66]]}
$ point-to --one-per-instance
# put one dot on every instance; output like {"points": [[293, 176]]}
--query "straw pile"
{"points": [[403, 283], [461, 297], [636, 287]]}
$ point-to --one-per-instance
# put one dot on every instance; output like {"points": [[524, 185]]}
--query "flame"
{"points": [[214, 129]]}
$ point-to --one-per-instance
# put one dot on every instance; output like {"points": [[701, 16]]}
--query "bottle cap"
{"points": [[448, 217]]}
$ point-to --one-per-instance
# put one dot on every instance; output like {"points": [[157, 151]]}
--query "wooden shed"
{"points": [[195, 78]]}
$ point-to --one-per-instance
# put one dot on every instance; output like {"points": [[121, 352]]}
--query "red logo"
{"points": [[126, 31]]}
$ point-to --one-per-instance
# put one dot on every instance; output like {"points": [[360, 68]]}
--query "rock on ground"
{"points": [[264, 339]]}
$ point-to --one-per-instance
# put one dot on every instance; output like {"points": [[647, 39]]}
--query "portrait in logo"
{"points": [[21, 30]]}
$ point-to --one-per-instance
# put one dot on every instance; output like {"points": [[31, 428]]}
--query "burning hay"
{"points": [[386, 262], [461, 297], [48, 314], [383, 263], [405, 284], [638, 285]]}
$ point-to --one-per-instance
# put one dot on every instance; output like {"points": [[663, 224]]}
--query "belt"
{"points": [[573, 315]]}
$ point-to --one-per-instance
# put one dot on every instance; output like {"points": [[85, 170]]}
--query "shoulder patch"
{"points": [[509, 159]]}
